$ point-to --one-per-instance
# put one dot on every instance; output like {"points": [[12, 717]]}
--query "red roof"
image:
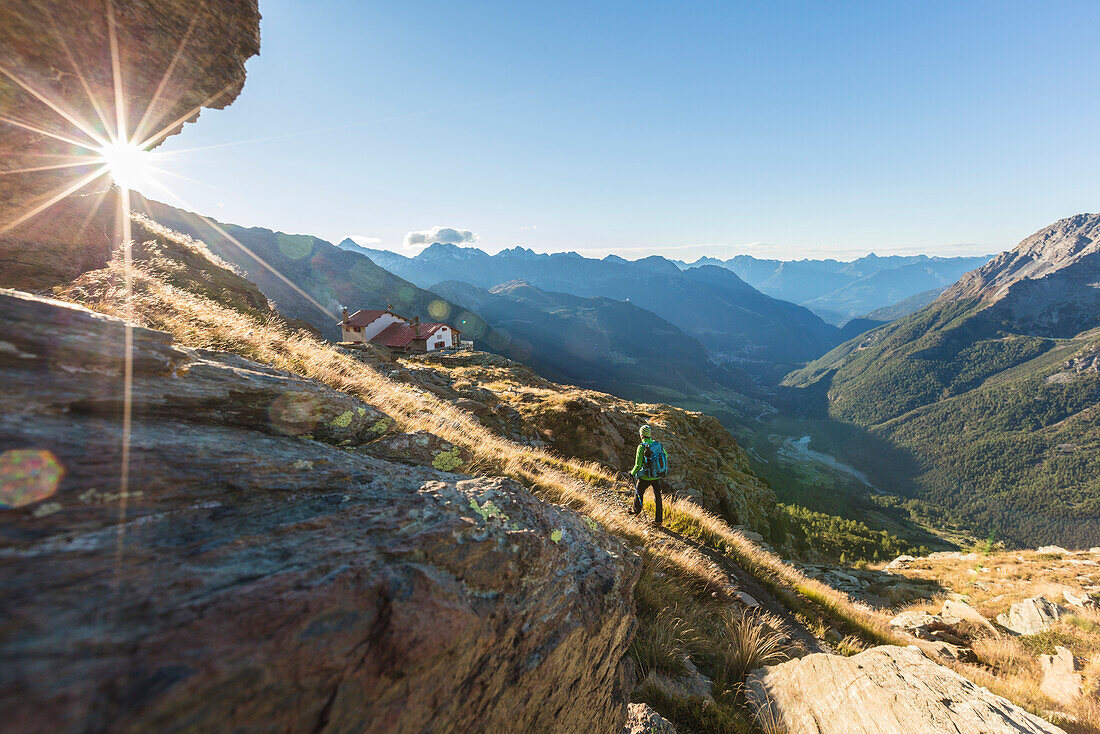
{"points": [[399, 336], [362, 318]]}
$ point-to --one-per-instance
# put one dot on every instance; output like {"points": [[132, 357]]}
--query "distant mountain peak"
{"points": [[443, 250], [349, 244], [518, 251]]}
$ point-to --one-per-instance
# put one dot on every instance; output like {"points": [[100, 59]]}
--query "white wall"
{"points": [[369, 331], [375, 327], [442, 335]]}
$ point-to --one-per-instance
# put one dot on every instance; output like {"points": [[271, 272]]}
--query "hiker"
{"points": [[650, 464]]}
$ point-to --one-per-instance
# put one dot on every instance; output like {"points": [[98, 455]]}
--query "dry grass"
{"points": [[661, 644], [800, 592], [767, 718], [748, 640]]}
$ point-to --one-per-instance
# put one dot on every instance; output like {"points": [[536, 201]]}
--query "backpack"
{"points": [[654, 459]]}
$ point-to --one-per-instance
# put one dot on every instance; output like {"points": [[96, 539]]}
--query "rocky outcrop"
{"points": [[1031, 616], [706, 463], [884, 690], [62, 50], [1061, 676], [955, 611], [946, 630], [249, 575]]}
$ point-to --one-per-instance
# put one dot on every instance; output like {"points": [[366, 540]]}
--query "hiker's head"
{"points": [[645, 431]]}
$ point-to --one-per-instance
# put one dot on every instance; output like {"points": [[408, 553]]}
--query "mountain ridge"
{"points": [[839, 290], [752, 331], [992, 388]]}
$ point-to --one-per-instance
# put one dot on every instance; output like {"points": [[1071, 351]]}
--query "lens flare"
{"points": [[129, 165], [294, 413], [439, 310], [27, 476]]}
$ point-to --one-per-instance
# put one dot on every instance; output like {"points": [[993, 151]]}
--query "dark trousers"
{"points": [[639, 490]]}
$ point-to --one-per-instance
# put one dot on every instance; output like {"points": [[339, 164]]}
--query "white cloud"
{"points": [[447, 235], [364, 241]]}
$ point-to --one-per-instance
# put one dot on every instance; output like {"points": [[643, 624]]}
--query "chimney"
{"points": [[345, 314], [416, 327]]}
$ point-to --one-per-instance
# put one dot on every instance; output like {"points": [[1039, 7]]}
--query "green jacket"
{"points": [[639, 461]]}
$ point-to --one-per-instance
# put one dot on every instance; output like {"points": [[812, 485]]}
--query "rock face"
{"points": [[251, 579], [1046, 285], [56, 48], [1061, 678], [917, 623], [884, 690], [1031, 616]]}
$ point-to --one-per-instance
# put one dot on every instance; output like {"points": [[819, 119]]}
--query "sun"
{"points": [[128, 163]]}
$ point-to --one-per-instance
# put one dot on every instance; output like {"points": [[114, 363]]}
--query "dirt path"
{"points": [[747, 583]]}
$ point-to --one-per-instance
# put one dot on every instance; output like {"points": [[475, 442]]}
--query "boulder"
{"points": [[955, 611], [1031, 616], [1052, 550], [641, 719], [1061, 676], [473, 406], [948, 651], [746, 599], [242, 578], [884, 690], [916, 622], [421, 449], [1081, 601], [691, 684], [901, 561]]}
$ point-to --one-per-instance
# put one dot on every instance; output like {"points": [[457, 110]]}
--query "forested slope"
{"points": [[992, 389]]}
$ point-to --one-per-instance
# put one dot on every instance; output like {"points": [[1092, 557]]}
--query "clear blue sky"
{"points": [[773, 128]]}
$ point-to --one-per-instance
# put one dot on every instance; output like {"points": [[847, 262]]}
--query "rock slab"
{"points": [[884, 690]]}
